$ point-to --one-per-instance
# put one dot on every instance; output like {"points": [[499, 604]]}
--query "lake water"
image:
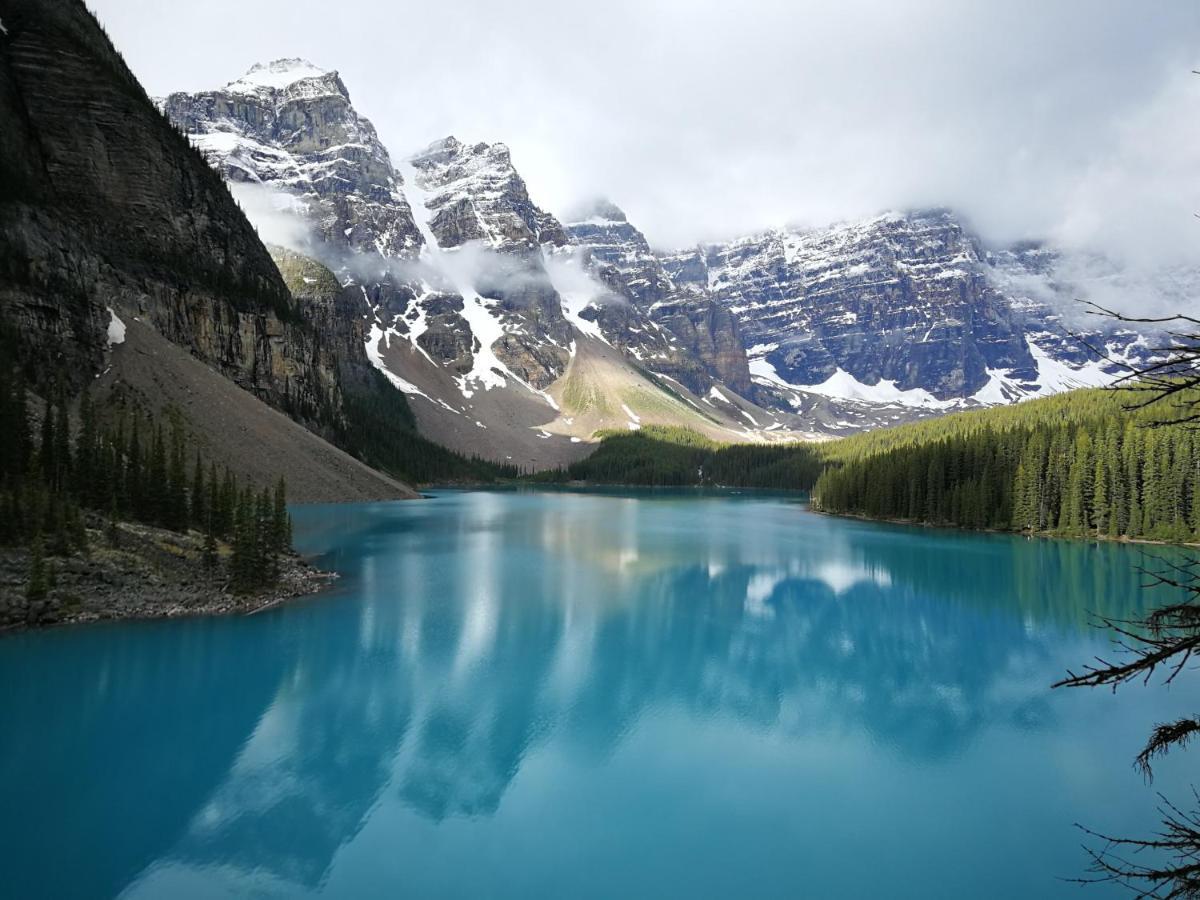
{"points": [[593, 695]]}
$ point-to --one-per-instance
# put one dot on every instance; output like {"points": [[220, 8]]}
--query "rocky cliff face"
{"points": [[112, 214], [290, 126], [475, 298], [703, 340], [484, 241], [474, 193], [907, 308], [902, 299]]}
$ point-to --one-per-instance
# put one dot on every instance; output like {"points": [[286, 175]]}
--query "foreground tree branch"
{"points": [[1165, 736], [1165, 640]]}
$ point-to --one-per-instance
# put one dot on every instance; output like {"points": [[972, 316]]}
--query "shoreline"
{"points": [[150, 573], [1041, 535]]}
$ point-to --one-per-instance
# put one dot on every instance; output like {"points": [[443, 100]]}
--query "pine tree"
{"points": [[1100, 503], [210, 550], [85, 446], [280, 527], [177, 485], [62, 440], [37, 586], [1195, 508], [135, 481], [156, 480], [198, 497]]}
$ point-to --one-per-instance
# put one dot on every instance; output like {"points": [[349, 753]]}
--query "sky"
{"points": [[1076, 121]]}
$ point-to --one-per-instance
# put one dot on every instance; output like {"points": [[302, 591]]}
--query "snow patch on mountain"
{"points": [[372, 346], [1055, 376], [116, 329], [845, 386], [487, 371], [276, 75]]}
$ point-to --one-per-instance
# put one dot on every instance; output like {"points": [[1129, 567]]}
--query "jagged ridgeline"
{"points": [[104, 204], [1086, 463]]}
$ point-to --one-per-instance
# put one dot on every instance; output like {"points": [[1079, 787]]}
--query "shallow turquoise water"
{"points": [[574, 695]]}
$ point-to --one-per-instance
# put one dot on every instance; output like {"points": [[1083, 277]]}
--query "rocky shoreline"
{"points": [[139, 572]]}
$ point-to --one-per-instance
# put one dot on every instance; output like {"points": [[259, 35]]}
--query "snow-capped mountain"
{"points": [[688, 317], [909, 309], [494, 316], [477, 303], [290, 126], [474, 193]]}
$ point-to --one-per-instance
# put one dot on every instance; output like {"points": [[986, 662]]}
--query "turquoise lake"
{"points": [[578, 695]]}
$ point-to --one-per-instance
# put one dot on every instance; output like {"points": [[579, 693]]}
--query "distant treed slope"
{"points": [[1078, 464], [662, 456]]}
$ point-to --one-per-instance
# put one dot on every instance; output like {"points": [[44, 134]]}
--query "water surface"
{"points": [[574, 695]]}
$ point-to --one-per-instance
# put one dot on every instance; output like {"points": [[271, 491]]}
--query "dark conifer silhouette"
{"points": [[1166, 641]]}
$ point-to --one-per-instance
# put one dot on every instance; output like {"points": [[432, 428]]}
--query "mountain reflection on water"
{"points": [[515, 653]]}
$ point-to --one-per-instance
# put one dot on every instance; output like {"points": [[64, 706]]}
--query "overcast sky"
{"points": [[1073, 120]]}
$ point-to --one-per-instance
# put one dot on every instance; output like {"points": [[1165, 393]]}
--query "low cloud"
{"points": [[279, 217]]}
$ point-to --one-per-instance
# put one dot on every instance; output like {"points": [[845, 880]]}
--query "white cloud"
{"points": [[278, 216]]}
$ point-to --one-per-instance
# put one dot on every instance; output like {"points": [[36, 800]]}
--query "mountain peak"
{"points": [[597, 211], [442, 149], [495, 157], [279, 74]]}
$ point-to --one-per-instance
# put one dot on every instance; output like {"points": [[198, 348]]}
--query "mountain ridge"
{"points": [[819, 331]]}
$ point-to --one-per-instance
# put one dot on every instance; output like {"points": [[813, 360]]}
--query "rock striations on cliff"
{"points": [[913, 309]]}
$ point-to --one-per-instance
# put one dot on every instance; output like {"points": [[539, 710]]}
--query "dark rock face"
{"points": [[447, 337], [711, 334], [111, 208], [913, 299], [477, 195], [903, 299]]}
